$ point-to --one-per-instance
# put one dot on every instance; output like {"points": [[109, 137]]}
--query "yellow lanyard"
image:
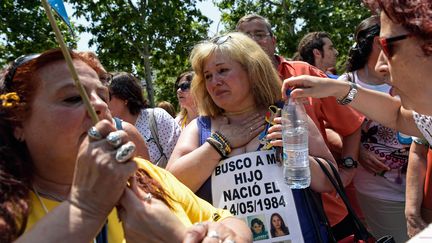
{"points": [[183, 124]]}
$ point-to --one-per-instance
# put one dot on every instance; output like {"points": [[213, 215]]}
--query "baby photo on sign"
{"points": [[256, 223], [278, 227]]}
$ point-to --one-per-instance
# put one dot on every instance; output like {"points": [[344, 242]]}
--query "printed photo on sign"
{"points": [[259, 230], [278, 227]]}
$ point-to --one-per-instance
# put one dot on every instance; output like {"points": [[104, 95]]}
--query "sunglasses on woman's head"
{"points": [[15, 65], [184, 86], [387, 43], [219, 40]]}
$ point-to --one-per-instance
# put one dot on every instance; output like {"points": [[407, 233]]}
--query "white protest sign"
{"points": [[251, 187]]}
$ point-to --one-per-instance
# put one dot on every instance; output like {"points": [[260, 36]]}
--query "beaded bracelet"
{"points": [[219, 147], [222, 139]]}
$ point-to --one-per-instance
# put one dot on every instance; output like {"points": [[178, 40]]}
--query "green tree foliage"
{"points": [[292, 19], [24, 29], [149, 38]]}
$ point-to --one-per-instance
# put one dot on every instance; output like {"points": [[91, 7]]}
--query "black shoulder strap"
{"points": [[361, 231], [314, 203], [351, 77]]}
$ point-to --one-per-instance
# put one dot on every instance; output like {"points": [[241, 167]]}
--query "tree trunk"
{"points": [[148, 75]]}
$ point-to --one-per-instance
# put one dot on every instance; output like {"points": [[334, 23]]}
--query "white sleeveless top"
{"points": [[424, 124]]}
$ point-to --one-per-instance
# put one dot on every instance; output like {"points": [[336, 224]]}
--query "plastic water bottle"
{"points": [[295, 145]]}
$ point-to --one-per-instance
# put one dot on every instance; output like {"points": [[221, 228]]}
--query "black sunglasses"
{"points": [[15, 65], [387, 43], [184, 86]]}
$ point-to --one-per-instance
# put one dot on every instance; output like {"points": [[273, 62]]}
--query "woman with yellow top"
{"points": [[61, 179], [188, 109]]}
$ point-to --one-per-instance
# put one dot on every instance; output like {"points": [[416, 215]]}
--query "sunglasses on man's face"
{"points": [[184, 86], [387, 43]]}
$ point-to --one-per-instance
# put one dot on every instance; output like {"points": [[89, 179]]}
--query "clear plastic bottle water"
{"points": [[295, 145]]}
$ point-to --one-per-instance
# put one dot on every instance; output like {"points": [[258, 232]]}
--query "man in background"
{"points": [[316, 48]]}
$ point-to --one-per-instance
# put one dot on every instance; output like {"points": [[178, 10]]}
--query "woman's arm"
{"points": [[190, 163], [193, 164], [351, 146], [415, 180], [389, 112], [317, 148], [150, 220]]}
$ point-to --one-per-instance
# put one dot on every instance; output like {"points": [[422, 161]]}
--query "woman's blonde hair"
{"points": [[264, 80]]}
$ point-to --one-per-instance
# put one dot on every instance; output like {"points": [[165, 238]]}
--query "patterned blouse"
{"points": [[168, 132]]}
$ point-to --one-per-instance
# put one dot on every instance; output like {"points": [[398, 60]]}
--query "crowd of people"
{"points": [[212, 172]]}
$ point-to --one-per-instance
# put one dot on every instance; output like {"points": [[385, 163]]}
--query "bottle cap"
{"points": [[288, 92]]}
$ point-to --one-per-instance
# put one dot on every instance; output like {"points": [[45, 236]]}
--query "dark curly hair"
{"points": [[414, 16], [364, 39], [309, 42]]}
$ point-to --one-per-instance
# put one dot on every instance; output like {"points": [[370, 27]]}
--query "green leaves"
{"points": [[149, 38], [24, 29]]}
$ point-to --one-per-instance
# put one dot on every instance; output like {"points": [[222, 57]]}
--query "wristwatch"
{"points": [[350, 96], [348, 162]]}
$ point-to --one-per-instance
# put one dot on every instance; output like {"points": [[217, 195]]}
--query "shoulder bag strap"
{"points": [[153, 130], [350, 77], [362, 233], [314, 203]]}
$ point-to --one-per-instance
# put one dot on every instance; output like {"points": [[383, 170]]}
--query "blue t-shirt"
{"points": [[332, 76]]}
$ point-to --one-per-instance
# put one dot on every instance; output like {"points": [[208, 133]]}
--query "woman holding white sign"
{"points": [[226, 155]]}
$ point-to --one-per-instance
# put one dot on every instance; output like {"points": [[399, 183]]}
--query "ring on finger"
{"points": [[213, 234], [148, 197], [94, 133], [125, 152], [114, 138]]}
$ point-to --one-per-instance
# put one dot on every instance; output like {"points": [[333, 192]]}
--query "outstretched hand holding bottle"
{"points": [[316, 87]]}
